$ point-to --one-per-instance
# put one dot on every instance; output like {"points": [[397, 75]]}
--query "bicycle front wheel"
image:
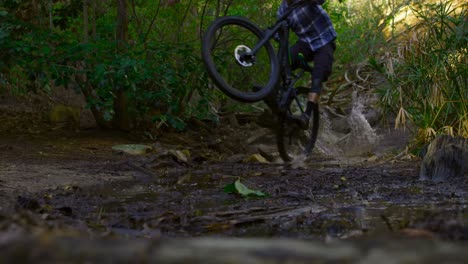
{"points": [[226, 52], [293, 141]]}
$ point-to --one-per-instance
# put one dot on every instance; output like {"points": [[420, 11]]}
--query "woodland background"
{"points": [[138, 66]]}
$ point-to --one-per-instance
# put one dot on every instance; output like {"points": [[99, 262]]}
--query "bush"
{"points": [[429, 76]]}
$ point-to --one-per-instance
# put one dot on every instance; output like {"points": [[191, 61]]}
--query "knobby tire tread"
{"points": [[208, 37]]}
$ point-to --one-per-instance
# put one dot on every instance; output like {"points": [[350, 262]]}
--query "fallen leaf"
{"points": [[246, 191], [256, 158], [240, 188]]}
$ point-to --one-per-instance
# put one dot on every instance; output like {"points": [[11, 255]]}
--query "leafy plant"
{"points": [[428, 77], [161, 73]]}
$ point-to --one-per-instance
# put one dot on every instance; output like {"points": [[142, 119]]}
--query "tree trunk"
{"points": [[51, 15], [85, 22], [93, 19], [121, 119]]}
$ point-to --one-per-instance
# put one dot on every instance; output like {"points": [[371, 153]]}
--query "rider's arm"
{"points": [[281, 9]]}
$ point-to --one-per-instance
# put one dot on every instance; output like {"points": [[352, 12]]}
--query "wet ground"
{"points": [[73, 180]]}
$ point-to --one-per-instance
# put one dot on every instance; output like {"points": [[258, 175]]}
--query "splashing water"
{"points": [[363, 137], [327, 142], [353, 144], [360, 140]]}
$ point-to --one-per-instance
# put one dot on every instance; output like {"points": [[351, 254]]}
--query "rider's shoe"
{"points": [[302, 121]]}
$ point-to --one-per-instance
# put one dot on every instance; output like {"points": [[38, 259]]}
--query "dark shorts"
{"points": [[322, 58]]}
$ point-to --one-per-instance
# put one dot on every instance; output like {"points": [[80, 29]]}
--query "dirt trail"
{"points": [[65, 180]]}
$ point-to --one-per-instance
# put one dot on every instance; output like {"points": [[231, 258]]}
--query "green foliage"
{"points": [[429, 78], [161, 72], [163, 81], [359, 28]]}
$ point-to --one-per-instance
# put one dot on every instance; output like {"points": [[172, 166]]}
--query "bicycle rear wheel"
{"points": [[244, 78], [293, 141]]}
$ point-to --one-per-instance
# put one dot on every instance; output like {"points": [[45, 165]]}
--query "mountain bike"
{"points": [[250, 64]]}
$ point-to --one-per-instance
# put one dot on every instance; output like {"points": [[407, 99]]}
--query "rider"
{"points": [[316, 43]]}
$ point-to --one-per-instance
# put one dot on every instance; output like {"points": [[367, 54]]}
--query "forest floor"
{"points": [[62, 181]]}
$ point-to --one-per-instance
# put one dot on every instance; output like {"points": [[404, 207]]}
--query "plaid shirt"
{"points": [[311, 24]]}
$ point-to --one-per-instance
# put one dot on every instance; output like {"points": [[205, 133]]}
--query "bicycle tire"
{"points": [[292, 141], [227, 38]]}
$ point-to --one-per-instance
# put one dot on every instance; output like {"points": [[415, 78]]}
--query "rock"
{"points": [[267, 153], [181, 155], [72, 117], [446, 157], [27, 203], [237, 158], [87, 120], [133, 149], [65, 116], [233, 120], [267, 120]]}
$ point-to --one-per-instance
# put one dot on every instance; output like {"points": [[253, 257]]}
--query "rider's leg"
{"points": [[323, 61], [300, 53]]}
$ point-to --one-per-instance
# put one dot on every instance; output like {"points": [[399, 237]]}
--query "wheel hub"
{"points": [[243, 55]]}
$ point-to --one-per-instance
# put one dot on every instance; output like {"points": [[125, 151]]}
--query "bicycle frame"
{"points": [[288, 79]]}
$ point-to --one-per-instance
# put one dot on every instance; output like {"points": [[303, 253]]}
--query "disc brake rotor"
{"points": [[242, 50]]}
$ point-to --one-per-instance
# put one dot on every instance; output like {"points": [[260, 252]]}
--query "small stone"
{"points": [[133, 149]]}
